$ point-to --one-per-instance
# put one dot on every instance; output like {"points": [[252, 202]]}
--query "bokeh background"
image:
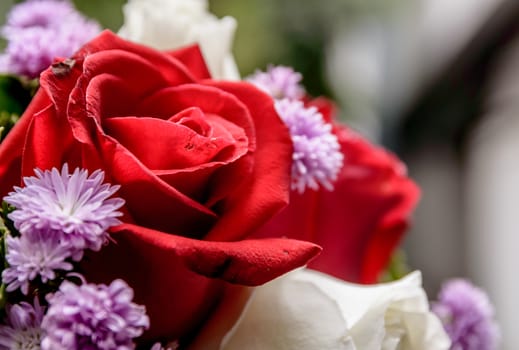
{"points": [[437, 82]]}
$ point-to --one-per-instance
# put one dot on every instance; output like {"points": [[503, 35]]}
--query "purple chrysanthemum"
{"points": [[75, 205], [34, 49], [31, 256], [279, 82], [37, 13], [37, 31], [22, 327], [317, 158], [93, 317], [467, 315]]}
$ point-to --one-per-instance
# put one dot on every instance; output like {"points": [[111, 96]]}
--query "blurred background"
{"points": [[437, 82]]}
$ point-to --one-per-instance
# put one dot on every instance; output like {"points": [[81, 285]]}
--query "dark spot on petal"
{"points": [[63, 68], [219, 270]]}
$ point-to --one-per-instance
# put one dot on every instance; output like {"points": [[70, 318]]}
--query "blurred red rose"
{"points": [[201, 165], [362, 221]]}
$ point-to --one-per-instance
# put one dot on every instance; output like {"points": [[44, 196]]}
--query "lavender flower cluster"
{"points": [[37, 31], [317, 158], [57, 216], [467, 315], [279, 82]]}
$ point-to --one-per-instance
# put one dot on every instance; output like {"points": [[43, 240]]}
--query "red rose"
{"points": [[201, 165], [361, 222]]}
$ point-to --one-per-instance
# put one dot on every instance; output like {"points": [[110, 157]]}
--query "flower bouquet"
{"points": [[154, 200]]}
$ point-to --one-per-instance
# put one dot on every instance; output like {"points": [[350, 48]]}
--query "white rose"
{"points": [[307, 310], [169, 24]]}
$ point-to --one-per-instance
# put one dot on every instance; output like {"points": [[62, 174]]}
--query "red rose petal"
{"points": [[248, 262], [194, 183], [151, 201], [161, 144], [48, 142], [268, 187], [192, 57], [146, 258], [361, 222], [208, 99], [12, 145], [95, 89], [112, 47], [168, 65]]}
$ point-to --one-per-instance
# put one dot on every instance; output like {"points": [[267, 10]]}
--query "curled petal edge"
{"points": [[248, 262]]}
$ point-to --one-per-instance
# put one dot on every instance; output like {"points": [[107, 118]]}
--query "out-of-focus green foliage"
{"points": [[397, 267], [258, 40], [15, 94], [107, 12], [7, 121], [294, 32], [5, 5], [266, 35]]}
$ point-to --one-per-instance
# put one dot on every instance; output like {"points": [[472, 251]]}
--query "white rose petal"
{"points": [[387, 316], [283, 315], [307, 310], [170, 24]]}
